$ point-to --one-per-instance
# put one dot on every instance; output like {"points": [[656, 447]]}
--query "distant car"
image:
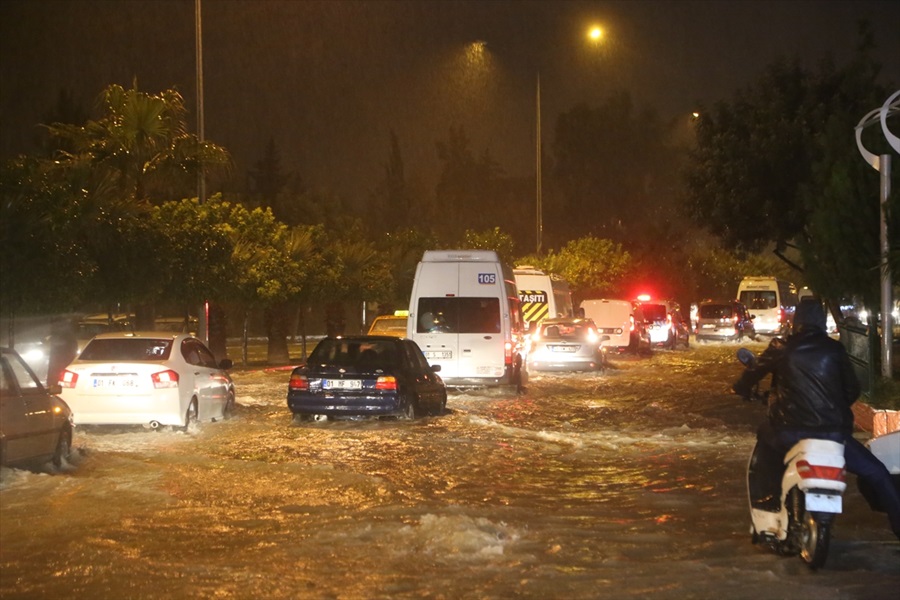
{"points": [[658, 322], [35, 424], [366, 376], [681, 328], [613, 317], [665, 325], [724, 321], [565, 344], [392, 325], [92, 325], [147, 378], [177, 324]]}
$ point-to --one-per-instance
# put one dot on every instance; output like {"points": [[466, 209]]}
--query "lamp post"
{"points": [[882, 164], [595, 34], [203, 320], [537, 169]]}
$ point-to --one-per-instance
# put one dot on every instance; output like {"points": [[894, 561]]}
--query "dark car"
{"points": [[681, 329], [727, 320], [565, 344], [35, 425], [375, 376]]}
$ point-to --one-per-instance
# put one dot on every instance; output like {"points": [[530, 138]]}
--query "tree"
{"points": [[609, 161], [403, 250], [751, 158], [39, 235], [491, 239], [139, 145], [592, 266], [354, 270], [466, 189], [778, 166], [392, 199], [267, 178]]}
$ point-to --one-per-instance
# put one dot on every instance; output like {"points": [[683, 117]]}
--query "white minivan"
{"points": [[614, 318], [771, 303], [465, 315]]}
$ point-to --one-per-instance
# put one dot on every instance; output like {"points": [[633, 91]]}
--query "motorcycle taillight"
{"points": [[808, 471]]}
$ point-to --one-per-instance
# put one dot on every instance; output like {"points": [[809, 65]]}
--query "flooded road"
{"points": [[622, 484]]}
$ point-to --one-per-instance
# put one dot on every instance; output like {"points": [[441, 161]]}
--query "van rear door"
{"points": [[482, 309]]}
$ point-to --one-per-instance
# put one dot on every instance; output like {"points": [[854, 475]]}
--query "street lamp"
{"points": [[537, 169], [203, 325]]}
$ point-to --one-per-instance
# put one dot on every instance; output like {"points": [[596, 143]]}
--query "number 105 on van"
{"points": [[487, 278]]}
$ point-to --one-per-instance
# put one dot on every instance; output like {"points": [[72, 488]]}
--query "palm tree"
{"points": [[140, 145], [136, 154]]}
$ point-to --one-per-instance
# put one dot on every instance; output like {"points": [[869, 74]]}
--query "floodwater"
{"points": [[621, 484]]}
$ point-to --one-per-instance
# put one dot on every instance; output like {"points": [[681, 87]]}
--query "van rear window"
{"points": [[655, 312], [458, 315], [758, 300]]}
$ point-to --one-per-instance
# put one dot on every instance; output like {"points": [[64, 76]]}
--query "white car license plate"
{"points": [[438, 354], [563, 348], [342, 384], [830, 503], [114, 383]]}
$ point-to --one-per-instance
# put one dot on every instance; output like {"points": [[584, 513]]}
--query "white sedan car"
{"points": [[147, 378]]}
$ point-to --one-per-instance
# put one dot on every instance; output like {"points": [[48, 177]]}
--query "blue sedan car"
{"points": [[366, 376]]}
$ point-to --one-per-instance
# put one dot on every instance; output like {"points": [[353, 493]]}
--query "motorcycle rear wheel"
{"points": [[814, 540]]}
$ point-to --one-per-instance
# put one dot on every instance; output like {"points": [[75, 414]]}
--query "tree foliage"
{"points": [[594, 267], [38, 235], [491, 239], [466, 191], [139, 146], [614, 163], [777, 166]]}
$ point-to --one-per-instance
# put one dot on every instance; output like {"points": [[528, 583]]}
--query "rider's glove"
{"points": [[742, 389]]}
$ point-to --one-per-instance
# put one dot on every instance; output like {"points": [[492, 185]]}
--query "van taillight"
{"points": [[630, 322], [781, 315], [508, 353], [68, 379]]}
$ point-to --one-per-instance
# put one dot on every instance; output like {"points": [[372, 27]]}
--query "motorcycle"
{"points": [[812, 488]]}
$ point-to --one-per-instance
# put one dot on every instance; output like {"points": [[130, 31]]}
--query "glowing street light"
{"points": [[595, 33]]}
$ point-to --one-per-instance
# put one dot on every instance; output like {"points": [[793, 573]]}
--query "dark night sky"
{"points": [[329, 80]]}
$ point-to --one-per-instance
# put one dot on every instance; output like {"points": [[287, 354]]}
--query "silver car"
{"points": [[566, 344]]}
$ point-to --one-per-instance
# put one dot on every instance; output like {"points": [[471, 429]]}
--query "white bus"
{"points": [[464, 314]]}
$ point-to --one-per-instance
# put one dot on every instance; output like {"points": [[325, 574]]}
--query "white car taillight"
{"points": [[165, 379], [68, 379]]}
